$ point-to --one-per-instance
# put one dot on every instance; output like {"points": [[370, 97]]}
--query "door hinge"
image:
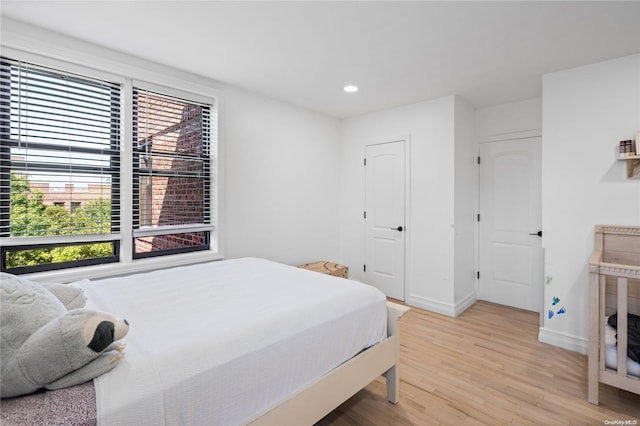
{"points": [[364, 268], [365, 215], [365, 161], [478, 159], [478, 274], [478, 217]]}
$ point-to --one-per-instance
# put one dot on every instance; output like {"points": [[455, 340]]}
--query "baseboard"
{"points": [[439, 307], [432, 305], [563, 340], [466, 301]]}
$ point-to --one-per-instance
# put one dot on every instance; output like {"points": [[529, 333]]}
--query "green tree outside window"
{"points": [[30, 217]]}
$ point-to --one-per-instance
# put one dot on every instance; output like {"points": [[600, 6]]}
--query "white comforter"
{"points": [[221, 342]]}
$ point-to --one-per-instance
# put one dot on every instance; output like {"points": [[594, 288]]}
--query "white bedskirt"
{"points": [[221, 342]]}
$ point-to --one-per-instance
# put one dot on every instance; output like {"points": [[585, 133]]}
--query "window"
{"points": [[171, 174], [61, 187], [59, 131]]}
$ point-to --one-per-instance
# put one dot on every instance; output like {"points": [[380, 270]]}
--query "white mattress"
{"points": [[611, 352], [221, 342]]}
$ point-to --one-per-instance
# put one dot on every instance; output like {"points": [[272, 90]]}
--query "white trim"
{"points": [[176, 93], [407, 206], [407, 213], [536, 133], [451, 310], [466, 301], [217, 177], [126, 173], [563, 340], [61, 65], [211, 104], [476, 230], [432, 305], [529, 136], [148, 231], [123, 268], [59, 239]]}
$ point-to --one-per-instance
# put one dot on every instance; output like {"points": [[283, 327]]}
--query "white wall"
{"points": [[513, 117], [282, 171], [586, 112], [279, 168], [431, 129], [295, 184], [505, 122]]}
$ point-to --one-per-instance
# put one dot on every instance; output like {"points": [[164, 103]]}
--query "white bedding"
{"points": [[611, 352], [221, 342]]}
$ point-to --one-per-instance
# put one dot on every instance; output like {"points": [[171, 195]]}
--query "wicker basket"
{"points": [[328, 268]]}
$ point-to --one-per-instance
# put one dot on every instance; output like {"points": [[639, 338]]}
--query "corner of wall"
{"points": [[465, 195]]}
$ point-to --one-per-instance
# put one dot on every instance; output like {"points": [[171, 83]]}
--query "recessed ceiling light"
{"points": [[350, 89]]}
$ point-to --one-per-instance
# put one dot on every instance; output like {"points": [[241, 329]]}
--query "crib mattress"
{"points": [[611, 352], [611, 361]]}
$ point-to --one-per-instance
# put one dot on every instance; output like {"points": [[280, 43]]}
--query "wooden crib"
{"points": [[614, 275]]}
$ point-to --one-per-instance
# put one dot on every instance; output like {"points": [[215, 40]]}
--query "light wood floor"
{"points": [[484, 367]]}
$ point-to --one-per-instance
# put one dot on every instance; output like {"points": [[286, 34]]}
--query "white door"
{"points": [[385, 217], [510, 254]]}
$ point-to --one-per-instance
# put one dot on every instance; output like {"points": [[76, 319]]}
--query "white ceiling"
{"points": [[396, 52]]}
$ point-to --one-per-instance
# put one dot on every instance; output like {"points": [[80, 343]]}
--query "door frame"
{"points": [[407, 205], [535, 133]]}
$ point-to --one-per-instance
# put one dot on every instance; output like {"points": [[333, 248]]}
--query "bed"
{"points": [[614, 289], [242, 341]]}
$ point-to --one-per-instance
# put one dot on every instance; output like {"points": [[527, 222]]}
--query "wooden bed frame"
{"points": [[316, 400], [321, 397], [614, 277]]}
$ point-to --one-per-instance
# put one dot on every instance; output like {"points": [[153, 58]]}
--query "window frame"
{"points": [[11, 244], [207, 154], [59, 265], [97, 62]]}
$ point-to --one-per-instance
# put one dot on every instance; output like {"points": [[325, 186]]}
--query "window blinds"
{"points": [[60, 144], [171, 173]]}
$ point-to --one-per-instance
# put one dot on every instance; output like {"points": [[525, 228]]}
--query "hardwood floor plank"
{"points": [[485, 367]]}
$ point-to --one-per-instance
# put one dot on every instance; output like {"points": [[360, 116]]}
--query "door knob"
{"points": [[539, 233], [399, 229]]}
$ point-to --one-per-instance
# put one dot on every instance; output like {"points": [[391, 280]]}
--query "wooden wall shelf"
{"points": [[633, 162]]}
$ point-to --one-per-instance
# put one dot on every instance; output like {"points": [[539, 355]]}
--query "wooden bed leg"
{"points": [[393, 384], [394, 313]]}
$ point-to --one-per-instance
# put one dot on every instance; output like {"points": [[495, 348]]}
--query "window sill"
{"points": [[121, 268]]}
